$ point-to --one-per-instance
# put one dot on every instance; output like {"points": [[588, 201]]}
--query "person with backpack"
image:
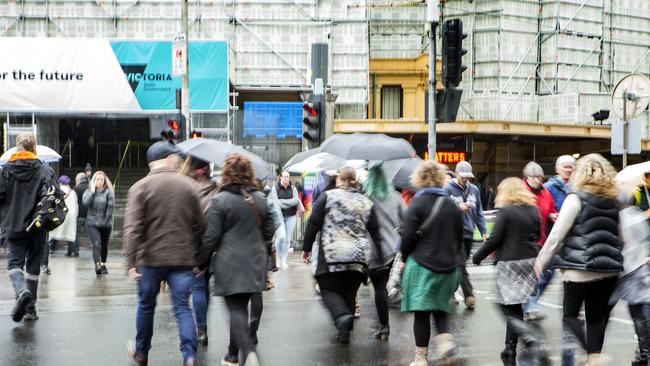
{"points": [[99, 198], [390, 210], [24, 182], [432, 250], [67, 232]]}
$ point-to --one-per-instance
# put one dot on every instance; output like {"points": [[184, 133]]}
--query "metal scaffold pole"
{"points": [[431, 117], [185, 99]]}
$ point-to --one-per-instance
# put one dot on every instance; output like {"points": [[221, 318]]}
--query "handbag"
{"points": [[270, 248], [394, 284]]}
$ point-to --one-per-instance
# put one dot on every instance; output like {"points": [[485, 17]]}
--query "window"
{"points": [[391, 102]]}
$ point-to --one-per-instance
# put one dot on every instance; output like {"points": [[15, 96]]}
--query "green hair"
{"points": [[377, 185]]}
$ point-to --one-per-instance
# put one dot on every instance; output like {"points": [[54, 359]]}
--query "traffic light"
{"points": [[195, 134], [452, 52], [314, 120]]}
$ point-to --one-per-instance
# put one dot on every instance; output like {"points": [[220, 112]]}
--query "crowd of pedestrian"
{"points": [[183, 228]]}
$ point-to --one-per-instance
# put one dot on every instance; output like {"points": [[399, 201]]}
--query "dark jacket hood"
{"points": [[24, 170]]}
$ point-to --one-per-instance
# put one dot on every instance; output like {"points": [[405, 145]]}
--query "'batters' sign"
{"points": [[99, 75]]}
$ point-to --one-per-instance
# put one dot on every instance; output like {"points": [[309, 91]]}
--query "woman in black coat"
{"points": [[514, 239], [238, 226]]}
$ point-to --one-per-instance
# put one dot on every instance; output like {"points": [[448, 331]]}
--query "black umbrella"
{"points": [[216, 152], [399, 171], [363, 146]]}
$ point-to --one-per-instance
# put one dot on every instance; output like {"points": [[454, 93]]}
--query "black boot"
{"points": [[642, 329], [509, 354], [232, 356], [202, 336], [344, 325], [383, 332]]}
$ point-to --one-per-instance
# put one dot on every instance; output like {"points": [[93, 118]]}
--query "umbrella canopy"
{"points": [[300, 157], [632, 176], [323, 161], [44, 153], [363, 146], [399, 171], [216, 152]]}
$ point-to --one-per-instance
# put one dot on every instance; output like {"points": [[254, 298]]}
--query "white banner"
{"points": [[56, 74]]}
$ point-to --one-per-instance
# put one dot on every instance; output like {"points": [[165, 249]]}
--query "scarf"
{"points": [[22, 155]]}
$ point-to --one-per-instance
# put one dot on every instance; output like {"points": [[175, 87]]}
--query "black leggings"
{"points": [[238, 308], [379, 280], [257, 306], [99, 238], [422, 325], [339, 291], [595, 295], [515, 311]]}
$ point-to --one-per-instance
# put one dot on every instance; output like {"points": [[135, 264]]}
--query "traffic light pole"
{"points": [[431, 118]]}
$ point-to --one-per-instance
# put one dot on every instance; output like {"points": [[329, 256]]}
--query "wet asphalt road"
{"points": [[85, 320]]}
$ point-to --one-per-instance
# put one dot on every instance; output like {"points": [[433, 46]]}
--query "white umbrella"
{"points": [[632, 176], [44, 153], [323, 161]]}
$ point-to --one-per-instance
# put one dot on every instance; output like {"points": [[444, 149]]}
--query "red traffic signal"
{"points": [[174, 125], [196, 134]]}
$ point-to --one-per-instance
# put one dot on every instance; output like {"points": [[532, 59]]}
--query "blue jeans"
{"points": [[200, 301], [180, 282], [282, 246], [545, 278]]}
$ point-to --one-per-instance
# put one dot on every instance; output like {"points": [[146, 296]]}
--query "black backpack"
{"points": [[51, 210]]}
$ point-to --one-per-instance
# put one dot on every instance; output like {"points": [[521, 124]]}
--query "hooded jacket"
{"points": [[471, 195], [79, 189], [21, 183], [558, 189]]}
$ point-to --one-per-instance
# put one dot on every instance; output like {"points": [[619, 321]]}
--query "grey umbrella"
{"points": [[363, 146], [399, 171], [216, 152]]}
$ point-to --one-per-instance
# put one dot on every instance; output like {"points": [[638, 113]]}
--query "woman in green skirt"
{"points": [[432, 239]]}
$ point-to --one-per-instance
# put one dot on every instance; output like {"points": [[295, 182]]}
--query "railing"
{"points": [[112, 153]]}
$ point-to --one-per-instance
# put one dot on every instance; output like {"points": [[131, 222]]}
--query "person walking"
{"points": [[468, 199], [238, 226], [287, 195], [533, 176], [199, 170], [81, 185], [67, 232], [162, 227], [22, 181], [390, 210], [348, 225], [99, 198], [432, 249], [634, 284], [558, 186], [514, 239], [587, 241]]}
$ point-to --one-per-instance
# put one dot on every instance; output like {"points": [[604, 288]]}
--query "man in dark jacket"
{"points": [[22, 183], [163, 223], [81, 185]]}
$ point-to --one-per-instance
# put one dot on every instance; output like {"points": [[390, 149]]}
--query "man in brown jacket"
{"points": [[163, 223]]}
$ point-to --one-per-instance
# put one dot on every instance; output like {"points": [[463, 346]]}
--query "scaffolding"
{"points": [[269, 40], [561, 58]]}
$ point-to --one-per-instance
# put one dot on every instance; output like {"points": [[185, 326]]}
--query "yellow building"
{"points": [[497, 149]]}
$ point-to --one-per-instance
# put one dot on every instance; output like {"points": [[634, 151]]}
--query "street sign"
{"points": [[619, 133], [178, 55]]}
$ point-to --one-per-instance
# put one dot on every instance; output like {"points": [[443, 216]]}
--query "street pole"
{"points": [[431, 118], [624, 129], [185, 100]]}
